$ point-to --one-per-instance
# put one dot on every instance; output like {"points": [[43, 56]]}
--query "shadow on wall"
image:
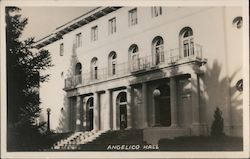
{"points": [[219, 92], [65, 120]]}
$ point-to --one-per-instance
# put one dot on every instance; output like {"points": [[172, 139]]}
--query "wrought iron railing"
{"points": [[162, 59]]}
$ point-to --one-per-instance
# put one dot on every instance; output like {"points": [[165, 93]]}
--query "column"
{"points": [[144, 106], [78, 113], [96, 111], [173, 101], [130, 93], [110, 109], [195, 105], [84, 105], [195, 99]]}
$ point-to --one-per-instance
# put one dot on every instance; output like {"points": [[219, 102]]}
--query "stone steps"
{"points": [[78, 138]]}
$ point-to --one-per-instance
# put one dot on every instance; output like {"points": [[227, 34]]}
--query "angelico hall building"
{"points": [[161, 69]]}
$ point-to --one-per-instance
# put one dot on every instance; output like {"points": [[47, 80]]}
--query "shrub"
{"points": [[217, 126]]}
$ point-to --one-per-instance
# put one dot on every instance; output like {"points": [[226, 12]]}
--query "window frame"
{"points": [[156, 11], [78, 41], [94, 33], [112, 26], [132, 17]]}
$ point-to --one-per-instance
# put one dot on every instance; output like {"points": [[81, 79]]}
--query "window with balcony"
{"points": [[134, 57], [94, 33], [78, 40], [94, 68], [158, 50], [112, 63], [112, 26], [132, 17], [78, 73], [187, 42], [156, 11], [61, 49]]}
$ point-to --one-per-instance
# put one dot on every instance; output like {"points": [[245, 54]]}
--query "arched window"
{"points": [[187, 42], [122, 109], [90, 114], [78, 69], [112, 63], [94, 68], [158, 50], [78, 73], [134, 57]]}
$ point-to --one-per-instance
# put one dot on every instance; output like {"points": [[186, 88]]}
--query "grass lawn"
{"points": [[202, 143]]}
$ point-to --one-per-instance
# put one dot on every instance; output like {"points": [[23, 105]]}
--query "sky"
{"points": [[42, 21]]}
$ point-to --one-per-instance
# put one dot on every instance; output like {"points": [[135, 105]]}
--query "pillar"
{"points": [[173, 99], [110, 110], [96, 111], [144, 106], [195, 104], [78, 113], [130, 91], [84, 105]]}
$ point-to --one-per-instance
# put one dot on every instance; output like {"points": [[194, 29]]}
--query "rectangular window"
{"points": [[78, 40], [156, 11], [61, 49], [132, 17], [94, 33], [112, 26]]}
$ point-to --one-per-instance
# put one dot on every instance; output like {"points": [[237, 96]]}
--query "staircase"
{"points": [[117, 137], [78, 138]]}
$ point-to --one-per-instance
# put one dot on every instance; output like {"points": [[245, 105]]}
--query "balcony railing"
{"points": [[141, 64]]}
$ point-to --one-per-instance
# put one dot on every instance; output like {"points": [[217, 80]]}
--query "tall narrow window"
{"points": [[132, 17], [78, 40], [112, 63], [156, 11], [112, 26], [186, 42], [134, 57], [61, 49], [94, 68], [94, 33], [78, 73], [158, 50]]}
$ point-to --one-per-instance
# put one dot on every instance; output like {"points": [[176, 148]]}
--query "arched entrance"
{"points": [[122, 109], [162, 105], [90, 114]]}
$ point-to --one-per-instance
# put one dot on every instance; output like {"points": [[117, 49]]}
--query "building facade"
{"points": [[161, 69]]}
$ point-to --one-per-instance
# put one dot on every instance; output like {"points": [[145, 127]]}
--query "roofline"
{"points": [[80, 21]]}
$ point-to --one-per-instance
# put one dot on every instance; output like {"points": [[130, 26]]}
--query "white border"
{"points": [[213, 154]]}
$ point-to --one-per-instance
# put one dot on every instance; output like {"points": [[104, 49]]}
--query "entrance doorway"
{"points": [[162, 106], [122, 108], [90, 114]]}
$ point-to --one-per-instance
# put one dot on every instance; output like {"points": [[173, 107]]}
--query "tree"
{"points": [[217, 126], [24, 63]]}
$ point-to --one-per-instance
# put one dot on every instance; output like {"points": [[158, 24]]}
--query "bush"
{"points": [[217, 126]]}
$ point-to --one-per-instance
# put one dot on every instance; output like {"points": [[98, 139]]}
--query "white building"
{"points": [[161, 69]]}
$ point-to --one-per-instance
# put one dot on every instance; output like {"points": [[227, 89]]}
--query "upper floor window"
{"points": [[94, 68], [112, 63], [237, 22], [134, 57], [61, 49], [132, 17], [112, 26], [78, 40], [156, 11], [158, 50], [187, 41], [94, 33], [78, 69]]}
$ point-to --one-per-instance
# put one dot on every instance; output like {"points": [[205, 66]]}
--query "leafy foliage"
{"points": [[24, 64], [217, 126]]}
